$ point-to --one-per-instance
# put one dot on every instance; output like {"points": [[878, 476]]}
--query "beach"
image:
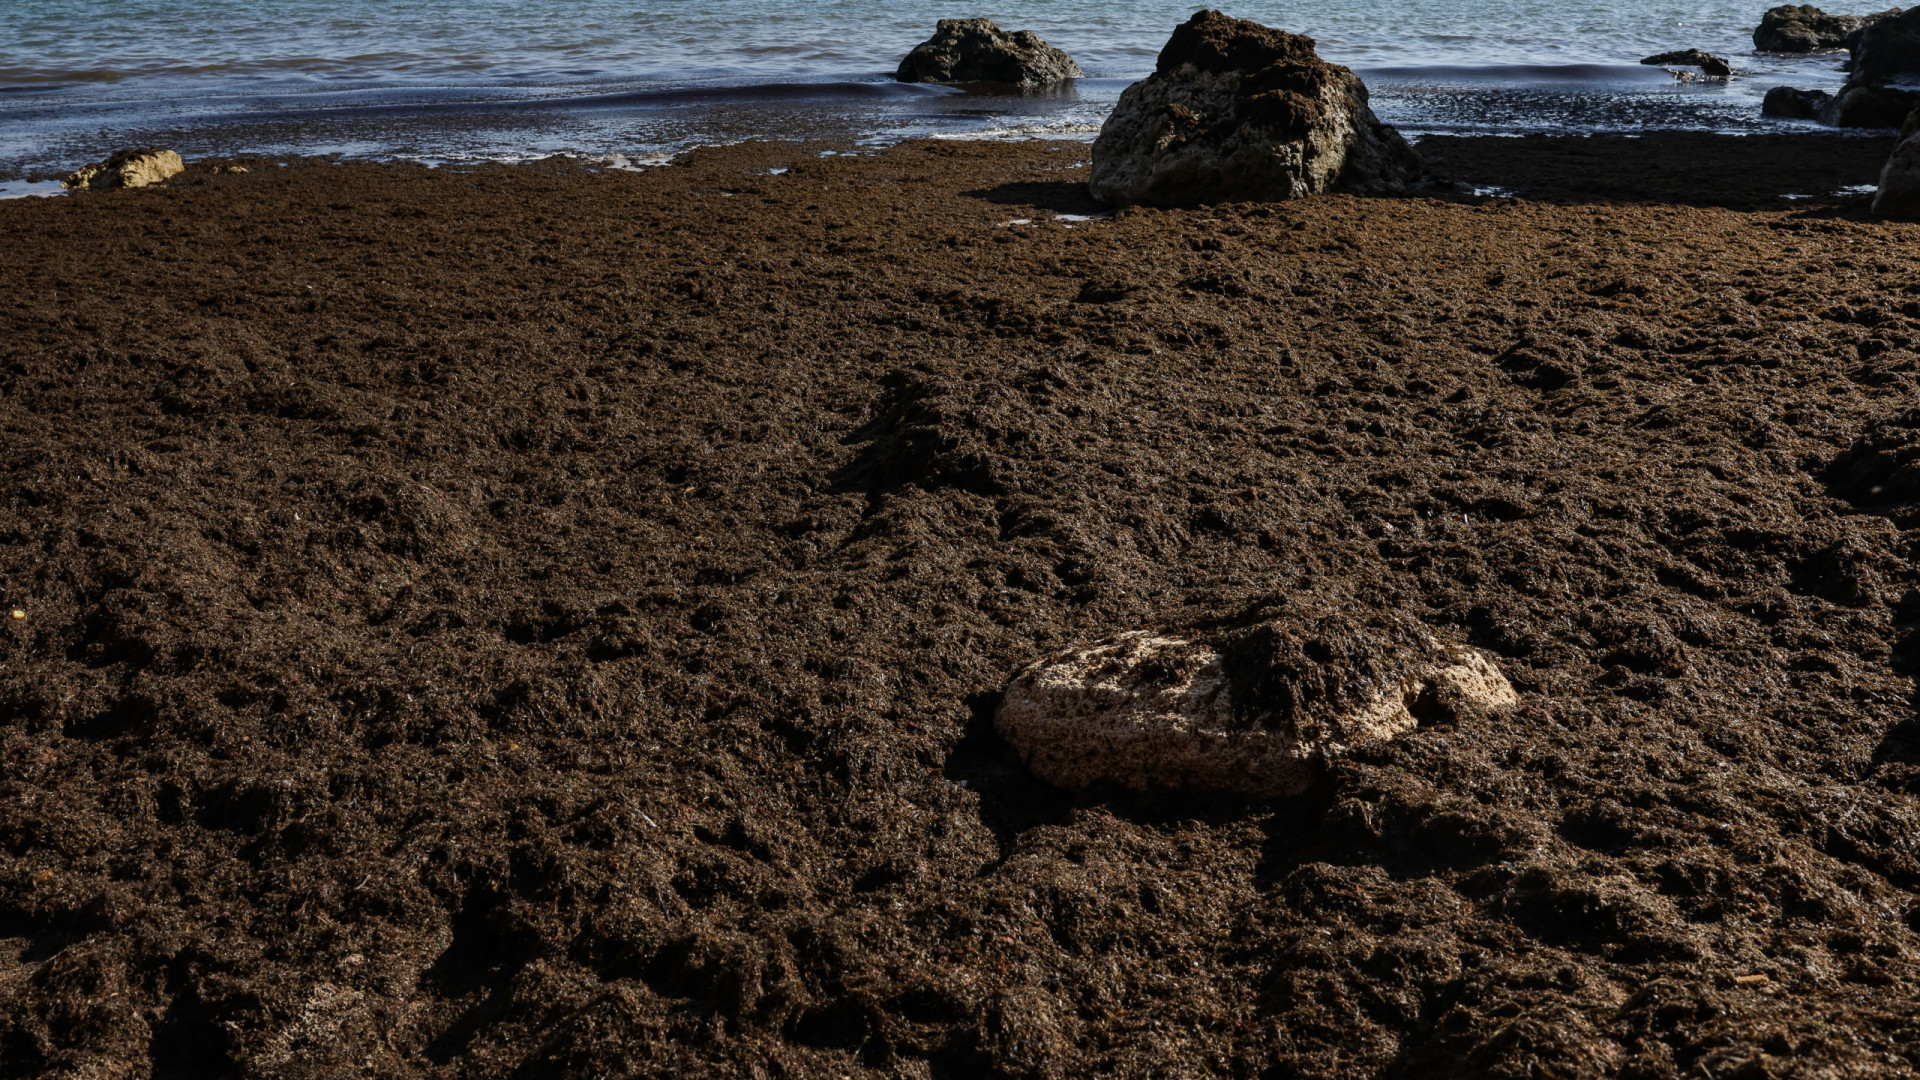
{"points": [[548, 620]]}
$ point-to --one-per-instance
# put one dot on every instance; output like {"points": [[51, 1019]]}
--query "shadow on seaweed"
{"points": [[1059, 196]]}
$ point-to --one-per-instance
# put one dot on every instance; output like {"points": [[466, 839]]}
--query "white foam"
{"points": [[1859, 189]]}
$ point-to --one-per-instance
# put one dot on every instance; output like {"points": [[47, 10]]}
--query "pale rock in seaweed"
{"points": [[1258, 713], [1239, 111], [126, 169], [977, 51]]}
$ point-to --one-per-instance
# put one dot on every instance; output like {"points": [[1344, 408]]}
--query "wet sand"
{"points": [[541, 622]]}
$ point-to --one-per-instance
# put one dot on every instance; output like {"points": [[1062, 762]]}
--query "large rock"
{"points": [[1899, 197], [1857, 105], [1887, 48], [1259, 713], [1239, 111], [977, 51], [126, 169], [1799, 28], [1708, 63]]}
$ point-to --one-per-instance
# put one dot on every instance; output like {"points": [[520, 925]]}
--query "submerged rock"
{"points": [[1801, 28], [128, 168], [977, 51], [1236, 110], [1708, 63], [1256, 714]]}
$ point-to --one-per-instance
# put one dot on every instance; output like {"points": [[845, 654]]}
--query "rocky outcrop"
{"points": [[1898, 197], [126, 169], [1708, 63], [1258, 713], [1800, 28], [1886, 49], [1239, 111], [977, 51], [1856, 105]]}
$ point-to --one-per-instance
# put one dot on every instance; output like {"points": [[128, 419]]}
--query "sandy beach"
{"points": [[545, 622]]}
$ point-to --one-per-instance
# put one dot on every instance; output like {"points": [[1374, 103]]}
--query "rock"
{"points": [[1888, 47], [1256, 714], [1859, 105], [977, 51], [1708, 63], [1855, 106], [1801, 29], [128, 168], [1239, 111], [1788, 103], [1899, 193]]}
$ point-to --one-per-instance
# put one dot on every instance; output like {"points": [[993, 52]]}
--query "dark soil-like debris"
{"points": [[536, 622]]}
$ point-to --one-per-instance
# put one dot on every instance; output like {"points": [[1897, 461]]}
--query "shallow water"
{"points": [[460, 79]]}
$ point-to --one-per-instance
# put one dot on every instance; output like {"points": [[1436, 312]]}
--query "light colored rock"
{"points": [[1153, 712], [1239, 111], [128, 168]]}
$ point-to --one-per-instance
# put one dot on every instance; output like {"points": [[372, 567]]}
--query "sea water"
{"points": [[636, 80]]}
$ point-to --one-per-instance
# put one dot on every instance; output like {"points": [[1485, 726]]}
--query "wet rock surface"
{"points": [[1239, 111], [1802, 28], [977, 51], [126, 169], [1887, 49], [1708, 63], [524, 621]]}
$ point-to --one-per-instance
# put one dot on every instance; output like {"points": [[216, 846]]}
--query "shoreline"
{"points": [[541, 620]]}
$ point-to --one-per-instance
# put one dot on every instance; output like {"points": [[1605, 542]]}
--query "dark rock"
{"points": [[1864, 105], [977, 51], [1855, 106], [1707, 62], [1239, 111], [1789, 103], [1888, 47], [1898, 197], [1801, 28]]}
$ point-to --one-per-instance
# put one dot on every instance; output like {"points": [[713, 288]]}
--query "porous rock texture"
{"points": [[126, 169], [1708, 63], [1802, 28], [1258, 715], [1237, 111], [977, 51]]}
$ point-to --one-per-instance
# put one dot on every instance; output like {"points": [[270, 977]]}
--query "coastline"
{"points": [[546, 618]]}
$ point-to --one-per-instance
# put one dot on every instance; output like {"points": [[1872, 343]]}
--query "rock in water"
{"points": [[1888, 47], [1258, 714], [1799, 28], [128, 168], [977, 51], [1790, 103], [1235, 111], [1708, 63]]}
